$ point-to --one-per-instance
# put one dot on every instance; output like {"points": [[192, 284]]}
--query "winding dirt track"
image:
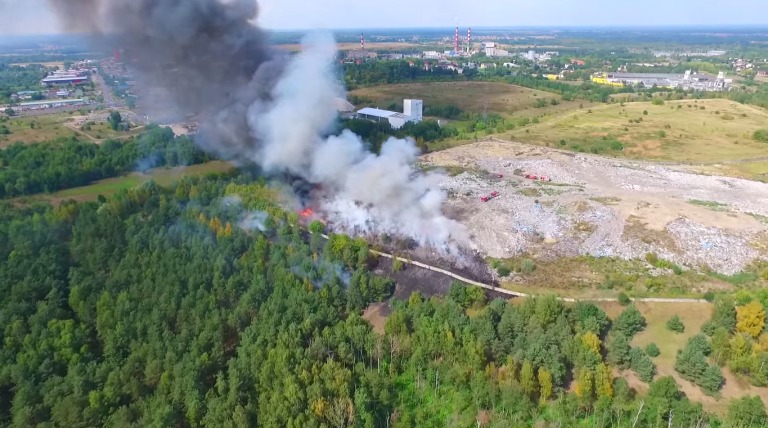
{"points": [[518, 294]]}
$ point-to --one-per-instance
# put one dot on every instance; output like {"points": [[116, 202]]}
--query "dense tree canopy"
{"points": [[45, 167], [153, 308]]}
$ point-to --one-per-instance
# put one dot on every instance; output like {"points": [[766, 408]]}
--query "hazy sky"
{"points": [[34, 16]]}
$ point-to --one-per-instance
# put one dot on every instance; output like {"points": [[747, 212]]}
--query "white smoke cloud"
{"points": [[255, 220], [368, 193]]}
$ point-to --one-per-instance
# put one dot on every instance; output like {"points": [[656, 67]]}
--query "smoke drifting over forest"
{"points": [[207, 57]]}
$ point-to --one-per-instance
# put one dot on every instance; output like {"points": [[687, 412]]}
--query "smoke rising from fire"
{"points": [[259, 106]]}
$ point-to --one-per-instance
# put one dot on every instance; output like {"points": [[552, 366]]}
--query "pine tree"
{"points": [[676, 324], [724, 313], [618, 350], [629, 322]]}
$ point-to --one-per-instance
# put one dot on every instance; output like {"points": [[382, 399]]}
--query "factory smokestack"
{"points": [[265, 108], [456, 41], [469, 41]]}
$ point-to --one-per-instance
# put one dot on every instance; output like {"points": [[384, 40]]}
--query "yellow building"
{"points": [[602, 80]]}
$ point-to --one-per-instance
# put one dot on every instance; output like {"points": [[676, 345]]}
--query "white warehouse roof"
{"points": [[375, 112]]}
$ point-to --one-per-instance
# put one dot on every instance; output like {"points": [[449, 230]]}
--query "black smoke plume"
{"points": [[208, 57]]}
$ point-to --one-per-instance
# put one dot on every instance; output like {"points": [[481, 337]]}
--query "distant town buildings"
{"points": [[687, 81], [67, 77]]}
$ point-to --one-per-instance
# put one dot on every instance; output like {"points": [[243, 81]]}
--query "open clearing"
{"points": [[472, 97], [602, 208], [110, 186], [49, 127], [36, 129], [687, 131], [693, 315]]}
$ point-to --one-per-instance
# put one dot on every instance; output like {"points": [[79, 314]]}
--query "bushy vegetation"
{"points": [[761, 135], [376, 133], [152, 309], [692, 365], [676, 324], [66, 163], [601, 145], [629, 322], [652, 350], [396, 71], [624, 300], [15, 78]]}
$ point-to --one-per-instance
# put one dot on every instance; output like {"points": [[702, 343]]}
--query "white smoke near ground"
{"points": [[208, 58], [366, 192], [255, 220]]}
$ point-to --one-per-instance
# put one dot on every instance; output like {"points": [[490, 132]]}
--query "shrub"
{"points": [[709, 296], [676, 324], [527, 266], [503, 271], [652, 258], [652, 350], [761, 135], [658, 102], [316, 227], [397, 265], [645, 112], [709, 328], [624, 300]]}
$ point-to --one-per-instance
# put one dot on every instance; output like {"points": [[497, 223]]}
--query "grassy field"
{"points": [[110, 186], [693, 315], [36, 129], [604, 277], [757, 170], [686, 131], [49, 127], [102, 131], [472, 97]]}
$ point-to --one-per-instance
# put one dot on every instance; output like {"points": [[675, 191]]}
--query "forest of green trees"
{"points": [[395, 71], [45, 167], [15, 78], [153, 308]]}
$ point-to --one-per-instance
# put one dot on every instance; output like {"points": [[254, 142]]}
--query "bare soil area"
{"points": [[603, 207]]}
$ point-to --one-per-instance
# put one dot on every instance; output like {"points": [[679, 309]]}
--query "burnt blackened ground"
{"points": [[429, 283]]}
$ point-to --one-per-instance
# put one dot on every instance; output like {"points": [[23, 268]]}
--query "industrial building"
{"points": [[48, 104], [492, 50], [65, 80], [687, 81], [412, 112]]}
